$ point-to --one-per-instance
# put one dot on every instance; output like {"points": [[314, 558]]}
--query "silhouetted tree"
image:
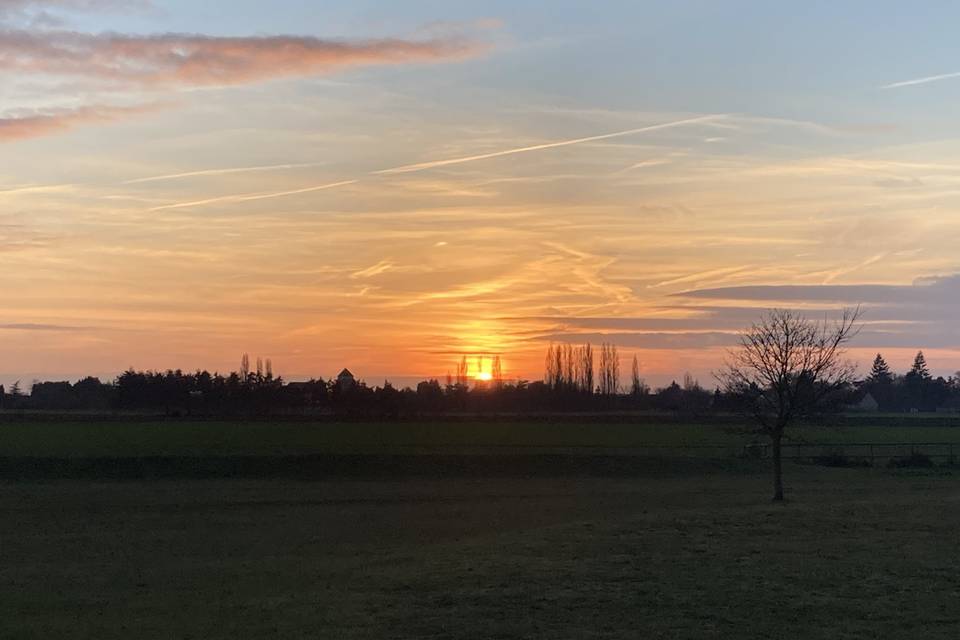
{"points": [[496, 373], [880, 383], [609, 370], [919, 368], [549, 369], [53, 395], [430, 395], [637, 385], [917, 385], [586, 368], [880, 372], [787, 367]]}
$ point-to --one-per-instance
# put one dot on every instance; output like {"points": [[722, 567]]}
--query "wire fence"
{"points": [[863, 451]]}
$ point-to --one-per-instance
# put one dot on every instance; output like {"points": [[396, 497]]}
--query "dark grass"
{"points": [[394, 466], [855, 553], [178, 438]]}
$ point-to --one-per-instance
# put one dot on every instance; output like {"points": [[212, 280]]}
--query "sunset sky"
{"points": [[387, 185]]}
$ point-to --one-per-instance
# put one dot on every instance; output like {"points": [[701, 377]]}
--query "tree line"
{"points": [[576, 378], [915, 390]]}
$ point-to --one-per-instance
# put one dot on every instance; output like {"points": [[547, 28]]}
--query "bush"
{"points": [[839, 459]]}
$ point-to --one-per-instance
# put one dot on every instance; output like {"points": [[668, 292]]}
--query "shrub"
{"points": [[839, 459]]}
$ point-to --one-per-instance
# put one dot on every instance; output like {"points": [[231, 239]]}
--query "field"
{"points": [[690, 550], [179, 438], [857, 553]]}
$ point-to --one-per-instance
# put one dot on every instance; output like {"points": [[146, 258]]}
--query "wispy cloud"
{"points": [[643, 164], [29, 326], [701, 276], [248, 197], [224, 171], [833, 275], [381, 267], [924, 80], [39, 123], [13, 7], [35, 44], [33, 188], [423, 166], [186, 60]]}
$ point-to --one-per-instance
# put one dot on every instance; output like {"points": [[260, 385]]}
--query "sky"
{"points": [[385, 186]]}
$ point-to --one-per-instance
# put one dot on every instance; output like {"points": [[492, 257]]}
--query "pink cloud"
{"points": [[31, 125], [198, 60]]}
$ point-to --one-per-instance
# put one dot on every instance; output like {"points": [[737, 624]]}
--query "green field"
{"points": [[855, 554], [656, 549], [57, 438]]}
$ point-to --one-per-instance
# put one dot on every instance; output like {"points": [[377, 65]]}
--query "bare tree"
{"points": [[245, 367], [496, 373], [550, 369], [637, 385], [569, 368], [785, 368], [462, 370], [609, 369], [561, 356], [586, 365], [690, 383]]}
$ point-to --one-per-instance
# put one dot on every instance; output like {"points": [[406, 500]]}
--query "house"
{"points": [[866, 404], [345, 380]]}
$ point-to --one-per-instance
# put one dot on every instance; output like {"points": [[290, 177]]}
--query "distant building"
{"points": [[346, 380], [950, 406], [866, 404]]}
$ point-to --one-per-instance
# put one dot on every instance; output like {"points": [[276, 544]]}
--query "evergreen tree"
{"points": [[919, 369], [917, 385], [880, 372]]}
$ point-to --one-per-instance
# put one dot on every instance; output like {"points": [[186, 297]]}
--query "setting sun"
{"points": [[484, 376]]}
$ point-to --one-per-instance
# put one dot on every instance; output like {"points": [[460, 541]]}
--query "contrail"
{"points": [[422, 166], [220, 172], [910, 83], [252, 196]]}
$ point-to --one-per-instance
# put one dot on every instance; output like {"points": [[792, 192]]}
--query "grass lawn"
{"points": [[58, 438], [861, 553]]}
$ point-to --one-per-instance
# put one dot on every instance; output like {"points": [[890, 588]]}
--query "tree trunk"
{"points": [[777, 470]]}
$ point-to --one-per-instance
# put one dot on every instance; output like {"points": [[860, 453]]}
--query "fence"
{"points": [[872, 451]]}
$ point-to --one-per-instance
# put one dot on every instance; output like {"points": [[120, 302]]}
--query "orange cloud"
{"points": [[36, 124], [199, 60]]}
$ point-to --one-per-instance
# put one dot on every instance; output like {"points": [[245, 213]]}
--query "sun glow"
{"points": [[484, 376]]}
